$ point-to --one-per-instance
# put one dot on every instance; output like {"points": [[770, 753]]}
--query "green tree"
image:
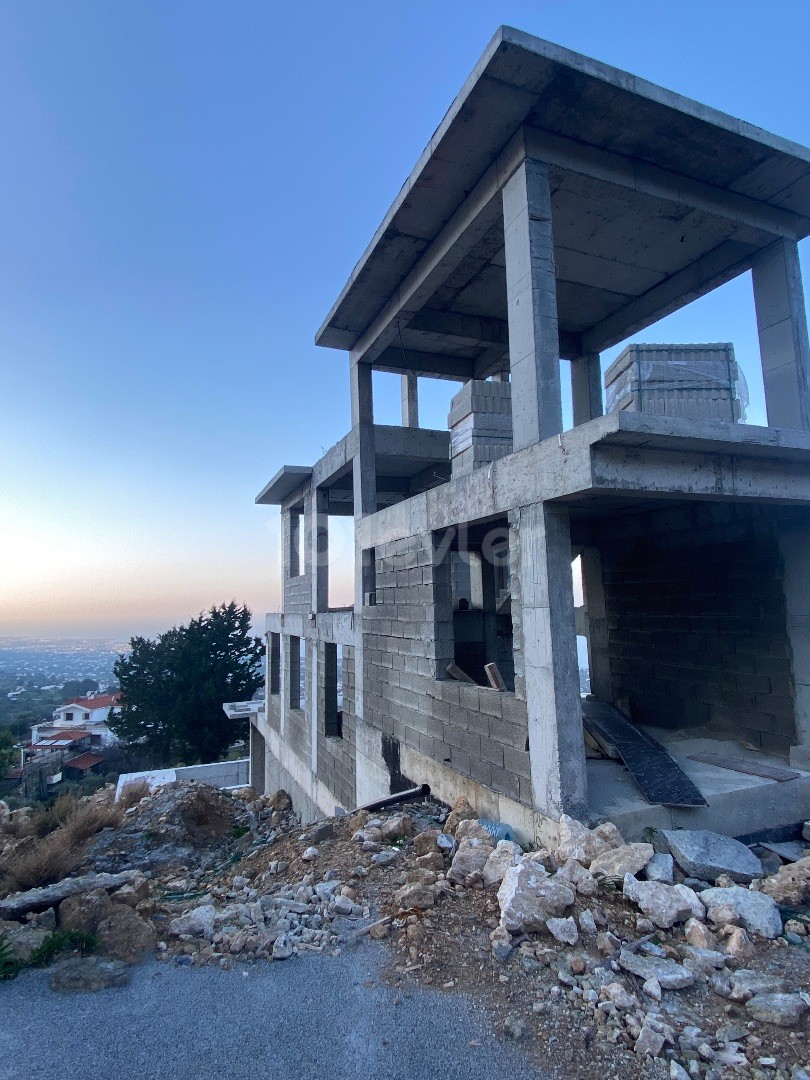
{"points": [[173, 687]]}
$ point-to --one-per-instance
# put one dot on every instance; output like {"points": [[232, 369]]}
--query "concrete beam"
{"points": [[783, 342], [531, 297], [477, 214], [728, 260], [649, 179], [426, 365]]}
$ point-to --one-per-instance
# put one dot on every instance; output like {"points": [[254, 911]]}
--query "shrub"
{"points": [[39, 863], [55, 854], [63, 941], [132, 793], [9, 965]]}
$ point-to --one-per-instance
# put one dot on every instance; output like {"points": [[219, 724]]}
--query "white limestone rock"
{"points": [[755, 911], [528, 897], [609, 833], [574, 873], [706, 855], [587, 923], [199, 922], [578, 842], [628, 859], [506, 854], [663, 904]]}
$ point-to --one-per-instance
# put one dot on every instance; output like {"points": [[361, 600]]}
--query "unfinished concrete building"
{"points": [[561, 207]]}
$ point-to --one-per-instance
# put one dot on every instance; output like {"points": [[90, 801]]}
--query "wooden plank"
{"points": [[494, 676], [754, 768], [661, 780], [455, 672]]}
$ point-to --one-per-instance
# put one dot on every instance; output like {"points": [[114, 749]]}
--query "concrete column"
{"points": [[795, 547], [319, 541], [783, 343], [556, 746], [410, 401], [593, 592], [365, 475], [586, 388], [531, 295]]}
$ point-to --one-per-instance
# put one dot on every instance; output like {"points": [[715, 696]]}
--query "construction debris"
{"points": [[581, 952]]}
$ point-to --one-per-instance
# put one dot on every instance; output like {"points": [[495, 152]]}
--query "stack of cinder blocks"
{"points": [[480, 423]]}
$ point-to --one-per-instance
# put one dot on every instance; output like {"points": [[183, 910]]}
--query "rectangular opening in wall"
{"points": [[296, 553], [477, 557], [369, 577], [298, 673], [274, 663], [341, 562], [333, 690]]}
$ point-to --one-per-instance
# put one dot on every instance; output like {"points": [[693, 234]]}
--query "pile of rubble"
{"points": [[676, 957]]}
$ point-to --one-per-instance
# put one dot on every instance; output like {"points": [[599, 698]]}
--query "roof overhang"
{"points": [[656, 199], [287, 480]]}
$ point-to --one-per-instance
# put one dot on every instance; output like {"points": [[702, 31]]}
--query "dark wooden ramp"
{"points": [[661, 779]]}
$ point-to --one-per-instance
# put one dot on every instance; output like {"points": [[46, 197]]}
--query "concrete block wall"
{"points": [[337, 756], [297, 732], [408, 642], [297, 591], [696, 620]]}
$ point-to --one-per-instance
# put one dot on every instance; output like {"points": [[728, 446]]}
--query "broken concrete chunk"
{"points": [[506, 854], [628, 859], [17, 904], [785, 1010], [670, 974], [756, 911], [661, 868], [663, 904], [528, 896], [575, 874], [706, 855], [578, 842]]}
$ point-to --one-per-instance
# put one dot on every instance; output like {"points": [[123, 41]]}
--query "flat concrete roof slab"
{"points": [[284, 483], [614, 142]]}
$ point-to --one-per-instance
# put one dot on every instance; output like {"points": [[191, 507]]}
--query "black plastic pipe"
{"points": [[401, 796]]}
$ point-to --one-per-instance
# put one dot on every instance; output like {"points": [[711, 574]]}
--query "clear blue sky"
{"points": [[184, 188]]}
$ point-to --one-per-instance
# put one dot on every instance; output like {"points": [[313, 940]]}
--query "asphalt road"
{"points": [[315, 1018]]}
